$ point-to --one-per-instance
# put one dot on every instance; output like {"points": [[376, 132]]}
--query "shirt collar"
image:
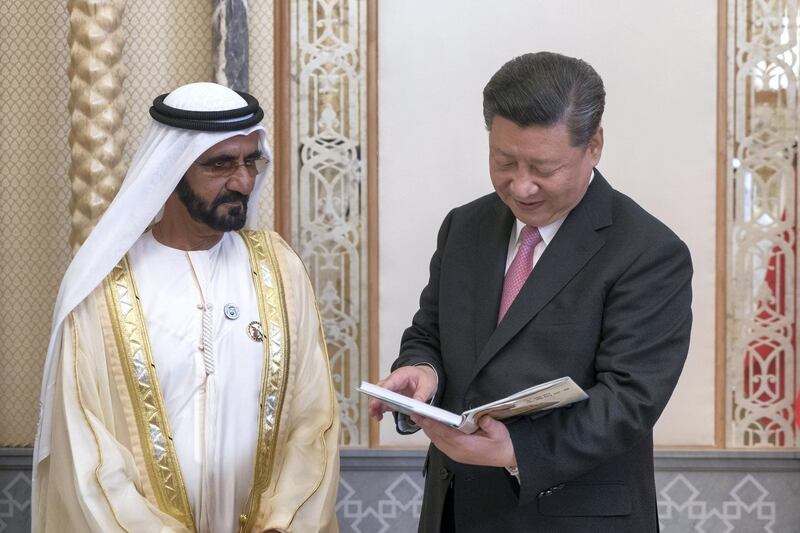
{"points": [[547, 232]]}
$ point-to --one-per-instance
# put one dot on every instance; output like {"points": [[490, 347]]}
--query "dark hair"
{"points": [[546, 89]]}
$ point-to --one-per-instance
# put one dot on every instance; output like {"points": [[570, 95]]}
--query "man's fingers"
{"points": [[489, 424], [403, 381], [422, 396], [395, 382], [374, 408], [377, 408]]}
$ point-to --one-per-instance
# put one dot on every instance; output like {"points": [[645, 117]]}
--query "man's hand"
{"points": [[418, 382], [489, 446]]}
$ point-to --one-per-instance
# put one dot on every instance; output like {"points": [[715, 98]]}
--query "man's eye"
{"points": [[222, 165], [250, 163], [546, 173]]}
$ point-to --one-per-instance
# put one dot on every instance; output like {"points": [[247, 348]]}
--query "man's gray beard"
{"points": [[203, 212]]}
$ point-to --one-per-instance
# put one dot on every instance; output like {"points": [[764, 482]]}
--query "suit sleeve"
{"points": [[643, 345], [89, 482], [420, 343]]}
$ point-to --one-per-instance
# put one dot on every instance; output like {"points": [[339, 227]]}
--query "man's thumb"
{"points": [[421, 396], [488, 424]]}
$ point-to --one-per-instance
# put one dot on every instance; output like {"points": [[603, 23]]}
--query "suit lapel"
{"points": [[573, 246], [492, 246]]}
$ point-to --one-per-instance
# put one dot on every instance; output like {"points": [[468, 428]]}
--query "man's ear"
{"points": [[595, 146]]}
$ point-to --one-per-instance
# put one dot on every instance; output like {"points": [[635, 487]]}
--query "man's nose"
{"points": [[524, 185], [241, 180]]}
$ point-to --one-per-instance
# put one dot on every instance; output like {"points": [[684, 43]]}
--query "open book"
{"points": [[556, 393]]}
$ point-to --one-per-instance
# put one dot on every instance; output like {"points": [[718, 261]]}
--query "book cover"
{"points": [[553, 394]]}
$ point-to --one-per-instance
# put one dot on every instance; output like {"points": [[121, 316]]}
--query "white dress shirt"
{"points": [[547, 232]]}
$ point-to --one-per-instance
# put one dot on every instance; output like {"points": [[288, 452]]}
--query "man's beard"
{"points": [[201, 211]]}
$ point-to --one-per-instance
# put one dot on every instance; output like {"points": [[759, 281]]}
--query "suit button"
{"points": [[443, 473]]}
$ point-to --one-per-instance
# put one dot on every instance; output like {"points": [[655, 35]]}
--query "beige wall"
{"points": [[34, 193], [163, 50], [659, 67]]}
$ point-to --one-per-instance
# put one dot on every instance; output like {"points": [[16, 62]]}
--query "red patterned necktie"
{"points": [[520, 268]]}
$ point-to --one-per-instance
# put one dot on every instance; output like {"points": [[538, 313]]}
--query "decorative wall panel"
{"points": [[261, 32], [169, 44], [380, 491], [15, 501], [763, 374], [34, 198], [329, 185]]}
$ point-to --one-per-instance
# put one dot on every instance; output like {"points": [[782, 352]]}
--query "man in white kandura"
{"points": [[187, 385]]}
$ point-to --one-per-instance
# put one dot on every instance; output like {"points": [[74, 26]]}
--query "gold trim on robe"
{"points": [[133, 346], [138, 365], [272, 309]]}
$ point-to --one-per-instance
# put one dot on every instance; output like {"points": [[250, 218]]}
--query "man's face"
{"points": [[214, 190], [537, 172]]}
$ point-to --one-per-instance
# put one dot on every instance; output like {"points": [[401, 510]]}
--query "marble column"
{"points": [[231, 44]]}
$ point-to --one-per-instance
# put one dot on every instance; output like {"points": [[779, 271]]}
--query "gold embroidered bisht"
{"points": [[112, 465]]}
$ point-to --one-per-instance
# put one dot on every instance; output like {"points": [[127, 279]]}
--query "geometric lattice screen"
{"points": [[762, 360], [329, 185]]}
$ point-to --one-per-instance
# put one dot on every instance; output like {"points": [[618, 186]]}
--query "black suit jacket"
{"points": [[608, 304]]}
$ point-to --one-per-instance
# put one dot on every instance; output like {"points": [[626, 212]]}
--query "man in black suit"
{"points": [[555, 274]]}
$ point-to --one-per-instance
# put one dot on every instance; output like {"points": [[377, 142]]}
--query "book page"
{"points": [[410, 406], [556, 393]]}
